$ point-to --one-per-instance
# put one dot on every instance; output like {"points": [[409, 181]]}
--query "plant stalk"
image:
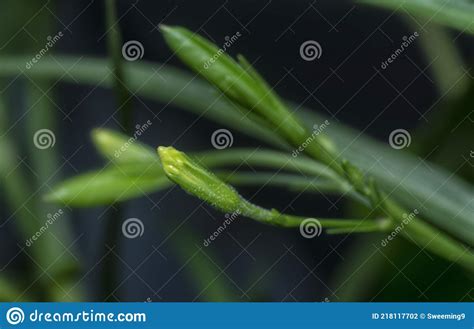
{"points": [[123, 97]]}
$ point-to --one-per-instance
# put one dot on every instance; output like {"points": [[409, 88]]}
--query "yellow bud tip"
{"points": [[168, 153], [171, 159], [98, 134], [197, 180]]}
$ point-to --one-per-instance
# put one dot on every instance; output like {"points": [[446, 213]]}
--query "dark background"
{"points": [[277, 264]]}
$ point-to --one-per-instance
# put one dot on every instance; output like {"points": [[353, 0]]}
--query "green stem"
{"points": [[114, 44], [123, 97], [273, 217], [198, 181], [266, 158], [287, 181], [279, 161]]}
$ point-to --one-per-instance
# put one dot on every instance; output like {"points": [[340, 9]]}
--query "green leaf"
{"points": [[109, 185], [120, 148], [134, 171], [457, 14]]}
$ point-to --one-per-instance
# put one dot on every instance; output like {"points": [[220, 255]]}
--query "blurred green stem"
{"points": [[123, 100], [114, 47]]}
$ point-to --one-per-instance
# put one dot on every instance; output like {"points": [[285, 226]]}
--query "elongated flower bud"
{"points": [[238, 81], [198, 181], [245, 87]]}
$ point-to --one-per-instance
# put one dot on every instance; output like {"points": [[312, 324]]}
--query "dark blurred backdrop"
{"points": [[257, 262]]}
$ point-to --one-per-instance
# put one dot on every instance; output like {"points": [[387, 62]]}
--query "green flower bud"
{"points": [[237, 80], [198, 181], [241, 83]]}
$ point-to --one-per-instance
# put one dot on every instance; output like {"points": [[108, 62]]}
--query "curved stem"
{"points": [[274, 217], [277, 160], [288, 181], [266, 158]]}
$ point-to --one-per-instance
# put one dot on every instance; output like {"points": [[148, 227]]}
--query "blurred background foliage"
{"points": [[83, 255]]}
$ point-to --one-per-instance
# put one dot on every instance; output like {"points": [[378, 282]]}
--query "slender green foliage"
{"points": [[457, 14]]}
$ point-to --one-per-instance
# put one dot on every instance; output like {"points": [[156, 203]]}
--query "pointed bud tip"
{"points": [[163, 27], [100, 135], [171, 159], [197, 180], [168, 153], [168, 30]]}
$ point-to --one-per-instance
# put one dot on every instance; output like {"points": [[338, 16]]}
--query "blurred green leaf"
{"points": [[457, 14], [165, 84], [446, 200], [109, 185], [22, 198], [445, 60], [10, 290], [120, 148]]}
